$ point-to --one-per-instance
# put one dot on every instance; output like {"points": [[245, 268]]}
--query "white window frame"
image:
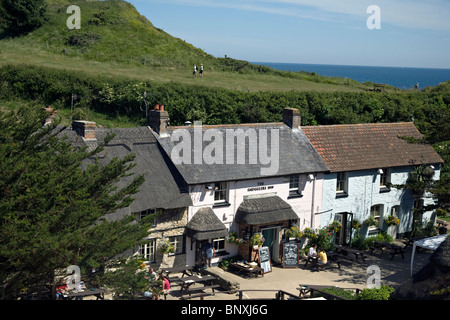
{"points": [[221, 189], [148, 250], [385, 178], [377, 214], [295, 185], [178, 244], [341, 183], [219, 244]]}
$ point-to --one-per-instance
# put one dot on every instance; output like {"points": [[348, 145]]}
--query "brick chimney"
{"points": [[85, 129], [292, 118], [158, 120]]}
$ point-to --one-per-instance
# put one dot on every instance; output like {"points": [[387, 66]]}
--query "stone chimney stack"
{"points": [[85, 129], [292, 118], [158, 120]]}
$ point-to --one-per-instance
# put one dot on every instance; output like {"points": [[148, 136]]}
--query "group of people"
{"points": [[321, 256], [153, 289], [194, 72]]}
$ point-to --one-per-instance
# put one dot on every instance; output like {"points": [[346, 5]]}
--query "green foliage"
{"points": [[126, 278], [51, 210], [382, 293], [23, 16]]}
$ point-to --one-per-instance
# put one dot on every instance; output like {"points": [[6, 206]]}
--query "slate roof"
{"points": [[295, 154], [369, 146], [163, 187]]}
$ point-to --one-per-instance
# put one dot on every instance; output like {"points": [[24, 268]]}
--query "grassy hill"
{"points": [[116, 41]]}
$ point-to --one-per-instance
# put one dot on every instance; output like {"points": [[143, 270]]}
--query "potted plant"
{"points": [[336, 226], [293, 232], [256, 240], [370, 221], [356, 224], [233, 238], [166, 247], [392, 221]]}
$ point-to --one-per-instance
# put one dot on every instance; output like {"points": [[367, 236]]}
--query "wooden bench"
{"points": [[441, 223], [394, 249]]}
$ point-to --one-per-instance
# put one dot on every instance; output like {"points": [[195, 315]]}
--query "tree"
{"points": [[52, 211], [23, 16]]}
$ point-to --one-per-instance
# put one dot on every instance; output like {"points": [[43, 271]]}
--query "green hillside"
{"points": [[116, 41]]}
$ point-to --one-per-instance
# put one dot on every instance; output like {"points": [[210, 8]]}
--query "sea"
{"points": [[401, 78]]}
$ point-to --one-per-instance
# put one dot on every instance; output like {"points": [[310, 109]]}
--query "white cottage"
{"points": [[249, 178], [363, 160]]}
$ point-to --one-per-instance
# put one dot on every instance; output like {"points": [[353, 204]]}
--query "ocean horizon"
{"points": [[399, 77]]}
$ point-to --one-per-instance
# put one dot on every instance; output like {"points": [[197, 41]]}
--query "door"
{"points": [[271, 240], [344, 236]]}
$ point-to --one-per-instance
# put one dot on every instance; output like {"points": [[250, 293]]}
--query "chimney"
{"points": [[85, 129], [292, 118], [158, 120]]}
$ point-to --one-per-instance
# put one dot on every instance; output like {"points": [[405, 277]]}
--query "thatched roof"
{"points": [[432, 281], [264, 210], [205, 225]]}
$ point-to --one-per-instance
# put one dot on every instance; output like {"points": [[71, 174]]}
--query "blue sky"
{"points": [[413, 33]]}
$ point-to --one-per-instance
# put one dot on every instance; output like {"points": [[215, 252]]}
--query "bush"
{"points": [[382, 293]]}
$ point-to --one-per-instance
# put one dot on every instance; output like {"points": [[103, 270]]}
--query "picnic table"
{"points": [[99, 293], [185, 271], [251, 271], [346, 250], [394, 248], [187, 283]]}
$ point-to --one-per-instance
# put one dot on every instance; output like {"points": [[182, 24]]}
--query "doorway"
{"points": [[272, 241], [344, 236]]}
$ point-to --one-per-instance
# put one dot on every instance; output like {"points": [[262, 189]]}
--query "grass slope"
{"points": [[116, 41]]}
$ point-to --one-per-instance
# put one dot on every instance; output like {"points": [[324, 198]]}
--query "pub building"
{"points": [[243, 178]]}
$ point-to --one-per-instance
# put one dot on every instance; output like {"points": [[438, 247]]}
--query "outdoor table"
{"points": [[247, 270], [186, 271], [99, 293], [186, 283], [356, 253], [313, 260]]}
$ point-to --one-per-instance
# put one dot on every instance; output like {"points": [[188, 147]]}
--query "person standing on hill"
{"points": [[201, 70], [194, 72]]}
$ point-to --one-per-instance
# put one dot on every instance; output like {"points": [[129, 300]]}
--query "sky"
{"points": [[402, 33]]}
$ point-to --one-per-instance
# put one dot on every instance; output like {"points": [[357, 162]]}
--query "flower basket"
{"points": [[256, 240], [293, 232], [233, 238], [392, 221], [356, 224], [166, 247], [370, 222], [335, 226]]}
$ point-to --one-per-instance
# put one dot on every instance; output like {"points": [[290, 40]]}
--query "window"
{"points": [[295, 185], [148, 212], [341, 183], [178, 244], [221, 192], [219, 244], [376, 212], [385, 178], [147, 251]]}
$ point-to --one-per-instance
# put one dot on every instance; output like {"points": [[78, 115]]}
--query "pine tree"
{"points": [[52, 205]]}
